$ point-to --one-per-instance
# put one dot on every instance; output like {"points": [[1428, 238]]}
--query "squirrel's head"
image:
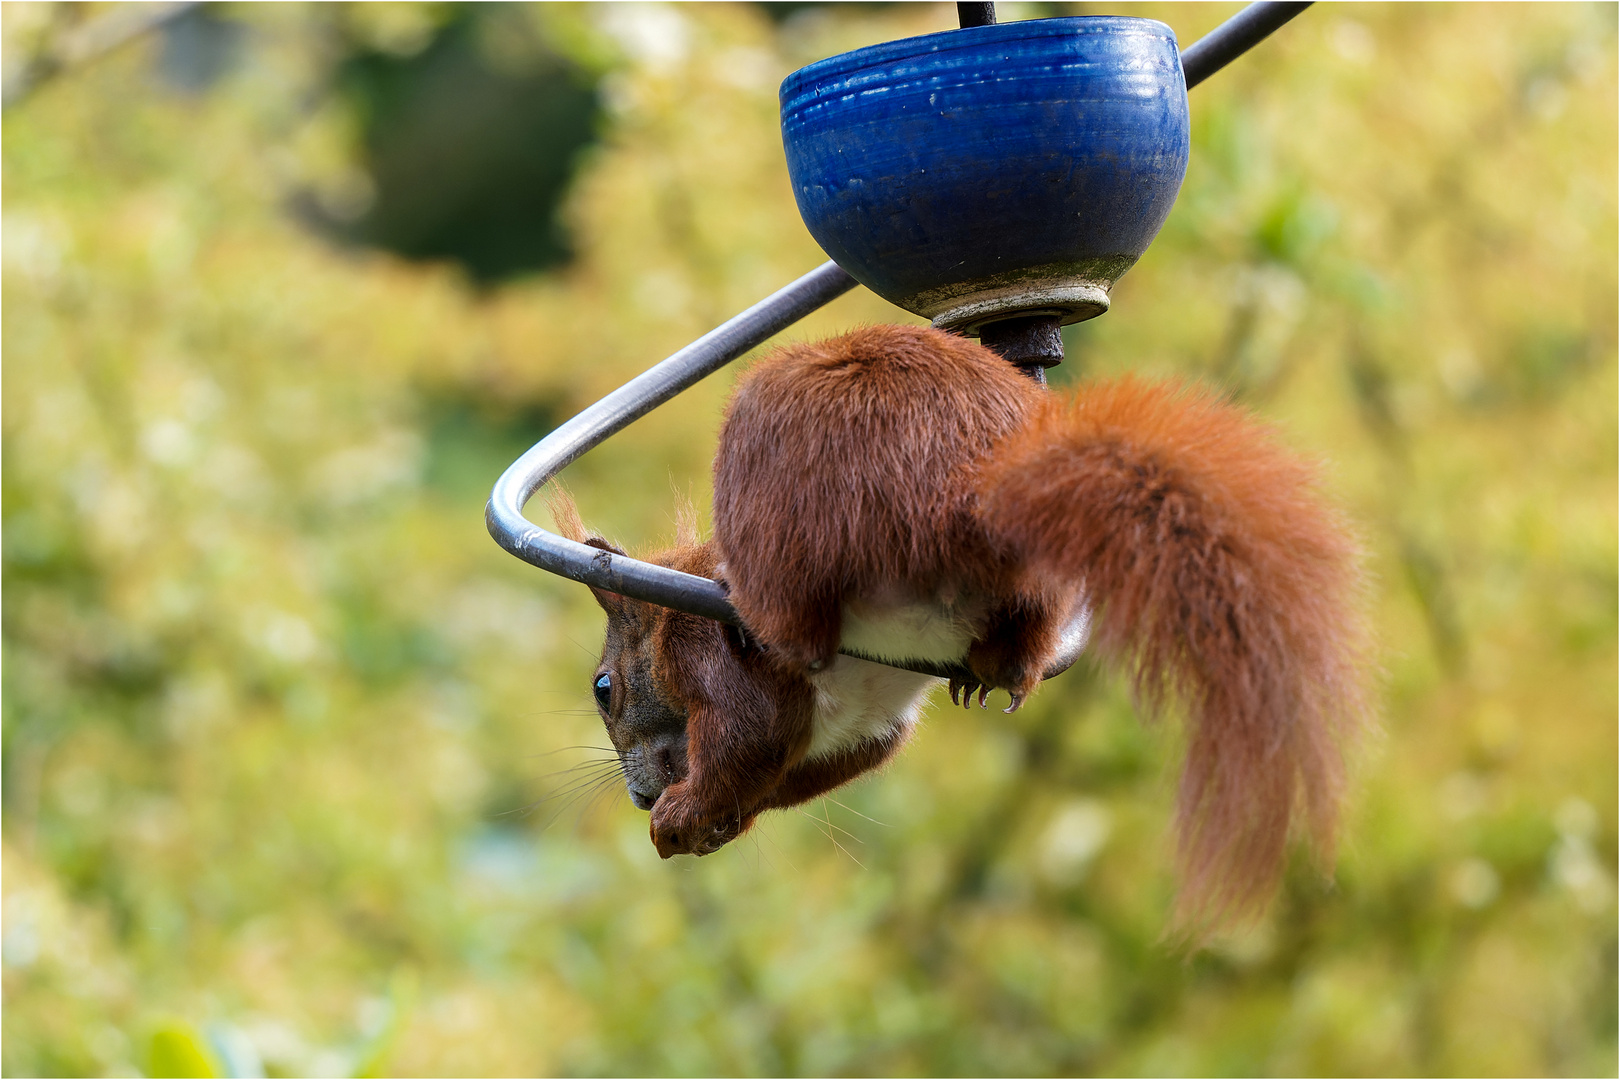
{"points": [[634, 694], [645, 720], [658, 665]]}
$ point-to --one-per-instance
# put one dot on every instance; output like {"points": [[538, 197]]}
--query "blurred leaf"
{"points": [[175, 1049]]}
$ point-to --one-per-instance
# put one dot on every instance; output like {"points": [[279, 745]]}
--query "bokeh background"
{"points": [[302, 773]]}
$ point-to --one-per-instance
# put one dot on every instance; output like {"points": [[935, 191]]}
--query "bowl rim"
{"points": [[968, 38]]}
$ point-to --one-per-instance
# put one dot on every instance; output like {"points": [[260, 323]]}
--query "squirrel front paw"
{"points": [[680, 826]]}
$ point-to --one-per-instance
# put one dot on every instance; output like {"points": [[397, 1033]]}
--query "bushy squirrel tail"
{"points": [[1220, 579]]}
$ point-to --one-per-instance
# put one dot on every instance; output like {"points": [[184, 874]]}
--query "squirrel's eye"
{"points": [[604, 690]]}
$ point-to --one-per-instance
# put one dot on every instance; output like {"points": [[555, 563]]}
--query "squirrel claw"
{"points": [[962, 692]]}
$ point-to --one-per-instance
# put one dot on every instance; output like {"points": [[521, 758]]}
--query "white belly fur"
{"points": [[908, 632], [857, 700]]}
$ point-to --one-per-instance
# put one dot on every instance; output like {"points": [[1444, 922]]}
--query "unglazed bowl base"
{"points": [[1071, 301]]}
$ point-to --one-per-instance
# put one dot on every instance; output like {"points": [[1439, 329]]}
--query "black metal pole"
{"points": [[976, 14], [1233, 38]]}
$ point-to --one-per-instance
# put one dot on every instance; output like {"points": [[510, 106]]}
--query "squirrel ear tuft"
{"points": [[566, 515], [687, 533], [611, 602], [605, 545]]}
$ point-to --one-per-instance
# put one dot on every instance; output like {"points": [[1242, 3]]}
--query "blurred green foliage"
{"points": [[470, 144], [295, 755]]}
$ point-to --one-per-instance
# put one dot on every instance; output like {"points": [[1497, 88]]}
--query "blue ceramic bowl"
{"points": [[992, 171]]}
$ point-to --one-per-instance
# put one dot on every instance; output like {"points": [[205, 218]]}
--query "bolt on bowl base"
{"points": [[1031, 343]]}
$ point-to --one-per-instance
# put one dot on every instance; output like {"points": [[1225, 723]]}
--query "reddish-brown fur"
{"points": [[842, 472], [897, 465], [1220, 578]]}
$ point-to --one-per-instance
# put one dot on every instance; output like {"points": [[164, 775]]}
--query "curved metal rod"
{"points": [[635, 399], [658, 384]]}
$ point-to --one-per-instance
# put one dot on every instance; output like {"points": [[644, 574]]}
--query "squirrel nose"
{"points": [[642, 800]]}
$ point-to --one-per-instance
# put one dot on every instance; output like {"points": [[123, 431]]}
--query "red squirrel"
{"points": [[908, 493]]}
